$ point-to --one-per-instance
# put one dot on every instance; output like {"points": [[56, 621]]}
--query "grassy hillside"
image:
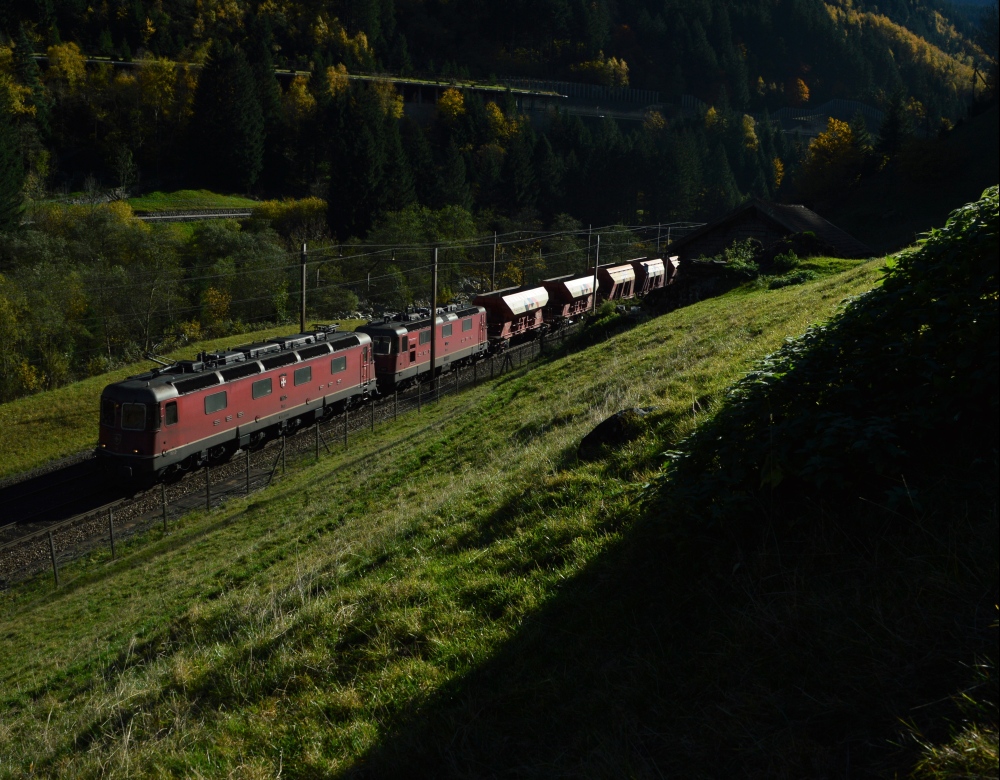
{"points": [[43, 427], [187, 199], [456, 595]]}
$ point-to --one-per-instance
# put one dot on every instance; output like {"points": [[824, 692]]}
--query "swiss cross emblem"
{"points": [[283, 380]]}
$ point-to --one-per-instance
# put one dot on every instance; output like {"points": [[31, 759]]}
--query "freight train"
{"points": [[180, 417]]}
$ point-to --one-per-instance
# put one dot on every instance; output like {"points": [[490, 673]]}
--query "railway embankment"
{"points": [[459, 595]]}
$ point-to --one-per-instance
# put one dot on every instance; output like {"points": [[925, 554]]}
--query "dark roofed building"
{"points": [[767, 222]]}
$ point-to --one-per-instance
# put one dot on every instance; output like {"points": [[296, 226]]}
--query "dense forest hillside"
{"points": [[105, 100]]}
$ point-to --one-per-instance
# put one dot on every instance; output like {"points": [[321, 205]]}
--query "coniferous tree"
{"points": [[453, 184], [895, 127], [359, 180], [518, 173], [228, 126], [399, 179], [721, 194], [259, 42], [421, 160], [11, 171], [27, 74]]}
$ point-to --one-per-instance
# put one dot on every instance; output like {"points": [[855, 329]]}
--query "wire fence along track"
{"points": [[53, 544]]}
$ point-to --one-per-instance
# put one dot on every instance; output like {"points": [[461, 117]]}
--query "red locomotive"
{"points": [[402, 343], [196, 412]]}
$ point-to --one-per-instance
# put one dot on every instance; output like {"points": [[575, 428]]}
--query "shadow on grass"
{"points": [[677, 655]]}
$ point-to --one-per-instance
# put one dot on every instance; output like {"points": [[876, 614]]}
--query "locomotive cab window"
{"points": [[338, 364], [261, 388], [108, 412], [133, 417], [303, 375], [383, 345], [446, 330], [466, 324], [215, 402], [170, 413], [425, 337]]}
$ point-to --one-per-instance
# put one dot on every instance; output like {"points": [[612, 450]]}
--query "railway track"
{"points": [[57, 516]]}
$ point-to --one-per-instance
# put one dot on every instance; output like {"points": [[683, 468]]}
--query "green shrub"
{"points": [[797, 277], [784, 263], [904, 373], [741, 259]]}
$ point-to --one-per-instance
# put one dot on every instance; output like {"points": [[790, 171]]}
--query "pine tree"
{"points": [[259, 41], [26, 70], [895, 127], [420, 159], [453, 185], [398, 179], [11, 171], [722, 194], [228, 124], [518, 173]]}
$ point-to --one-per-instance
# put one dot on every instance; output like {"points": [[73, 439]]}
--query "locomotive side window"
{"points": [[425, 337], [215, 402], [303, 375], [403, 344], [466, 324], [133, 417], [261, 388], [108, 412], [170, 413], [338, 364], [446, 330]]}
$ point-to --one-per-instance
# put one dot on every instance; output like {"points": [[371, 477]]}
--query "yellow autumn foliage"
{"points": [[451, 105], [390, 101], [67, 63], [298, 101], [833, 162], [337, 80], [609, 71]]}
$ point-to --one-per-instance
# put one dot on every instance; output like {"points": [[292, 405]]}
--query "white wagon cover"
{"points": [[653, 267], [526, 301], [621, 273], [580, 287]]}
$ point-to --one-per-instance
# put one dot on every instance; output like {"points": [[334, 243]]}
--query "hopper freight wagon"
{"points": [[402, 344], [672, 265], [513, 314], [569, 297], [649, 275], [616, 282], [196, 412]]}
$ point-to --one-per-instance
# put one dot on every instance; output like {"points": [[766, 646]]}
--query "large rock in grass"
{"points": [[618, 429]]}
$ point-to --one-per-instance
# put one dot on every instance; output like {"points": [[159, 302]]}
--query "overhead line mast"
{"points": [[434, 311]]}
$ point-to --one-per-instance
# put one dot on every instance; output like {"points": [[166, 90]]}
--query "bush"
{"points": [[741, 259], [906, 373], [785, 262], [798, 277]]}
